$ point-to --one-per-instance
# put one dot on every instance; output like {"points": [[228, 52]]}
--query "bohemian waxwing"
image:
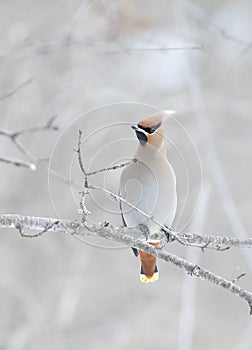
{"points": [[149, 184]]}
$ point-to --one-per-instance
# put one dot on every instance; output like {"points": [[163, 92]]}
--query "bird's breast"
{"points": [[152, 189]]}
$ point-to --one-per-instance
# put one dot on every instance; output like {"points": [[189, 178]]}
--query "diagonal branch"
{"points": [[49, 125], [19, 162], [33, 162], [127, 236], [9, 94], [14, 137]]}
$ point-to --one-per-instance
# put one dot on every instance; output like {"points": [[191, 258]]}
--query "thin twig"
{"points": [[47, 228], [165, 48], [16, 89], [49, 125], [19, 162], [14, 137], [239, 277], [34, 162], [81, 162], [23, 149], [83, 206]]}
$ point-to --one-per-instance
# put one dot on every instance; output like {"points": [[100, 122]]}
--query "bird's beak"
{"points": [[134, 127]]}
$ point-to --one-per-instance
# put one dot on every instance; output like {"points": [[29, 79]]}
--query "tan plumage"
{"points": [[150, 185], [149, 271]]}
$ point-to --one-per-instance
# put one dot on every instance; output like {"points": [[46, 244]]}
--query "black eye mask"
{"points": [[150, 130]]}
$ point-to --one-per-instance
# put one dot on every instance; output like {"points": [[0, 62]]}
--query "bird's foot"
{"points": [[167, 231]]}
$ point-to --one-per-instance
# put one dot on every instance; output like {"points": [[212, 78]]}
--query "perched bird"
{"points": [[149, 184]]}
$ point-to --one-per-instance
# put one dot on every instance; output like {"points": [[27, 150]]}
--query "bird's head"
{"points": [[150, 130]]}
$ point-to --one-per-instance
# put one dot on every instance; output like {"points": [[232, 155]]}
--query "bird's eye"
{"points": [[150, 130]]}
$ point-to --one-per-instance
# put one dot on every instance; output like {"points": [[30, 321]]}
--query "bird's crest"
{"points": [[156, 119]]}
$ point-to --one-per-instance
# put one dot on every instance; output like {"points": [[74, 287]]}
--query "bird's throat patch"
{"points": [[141, 137]]}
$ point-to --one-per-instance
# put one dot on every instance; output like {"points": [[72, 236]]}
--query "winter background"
{"points": [[99, 66]]}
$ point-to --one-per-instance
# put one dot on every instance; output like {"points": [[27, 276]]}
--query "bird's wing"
{"points": [[135, 251]]}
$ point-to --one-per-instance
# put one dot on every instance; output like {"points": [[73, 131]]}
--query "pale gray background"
{"points": [[59, 293]]}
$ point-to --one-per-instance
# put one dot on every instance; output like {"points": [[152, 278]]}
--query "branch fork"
{"points": [[133, 236]]}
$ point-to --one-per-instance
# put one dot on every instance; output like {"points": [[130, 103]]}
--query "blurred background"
{"points": [[99, 66]]}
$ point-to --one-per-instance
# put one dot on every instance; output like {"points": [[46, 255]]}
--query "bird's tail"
{"points": [[149, 271]]}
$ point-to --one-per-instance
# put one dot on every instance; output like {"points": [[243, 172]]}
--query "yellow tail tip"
{"points": [[152, 279]]}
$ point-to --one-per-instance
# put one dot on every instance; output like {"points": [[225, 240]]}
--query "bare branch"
{"points": [[14, 137], [80, 158], [127, 236], [40, 233], [83, 206], [164, 48], [67, 41], [33, 162], [19, 162], [239, 277], [49, 125], [16, 89], [22, 148]]}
